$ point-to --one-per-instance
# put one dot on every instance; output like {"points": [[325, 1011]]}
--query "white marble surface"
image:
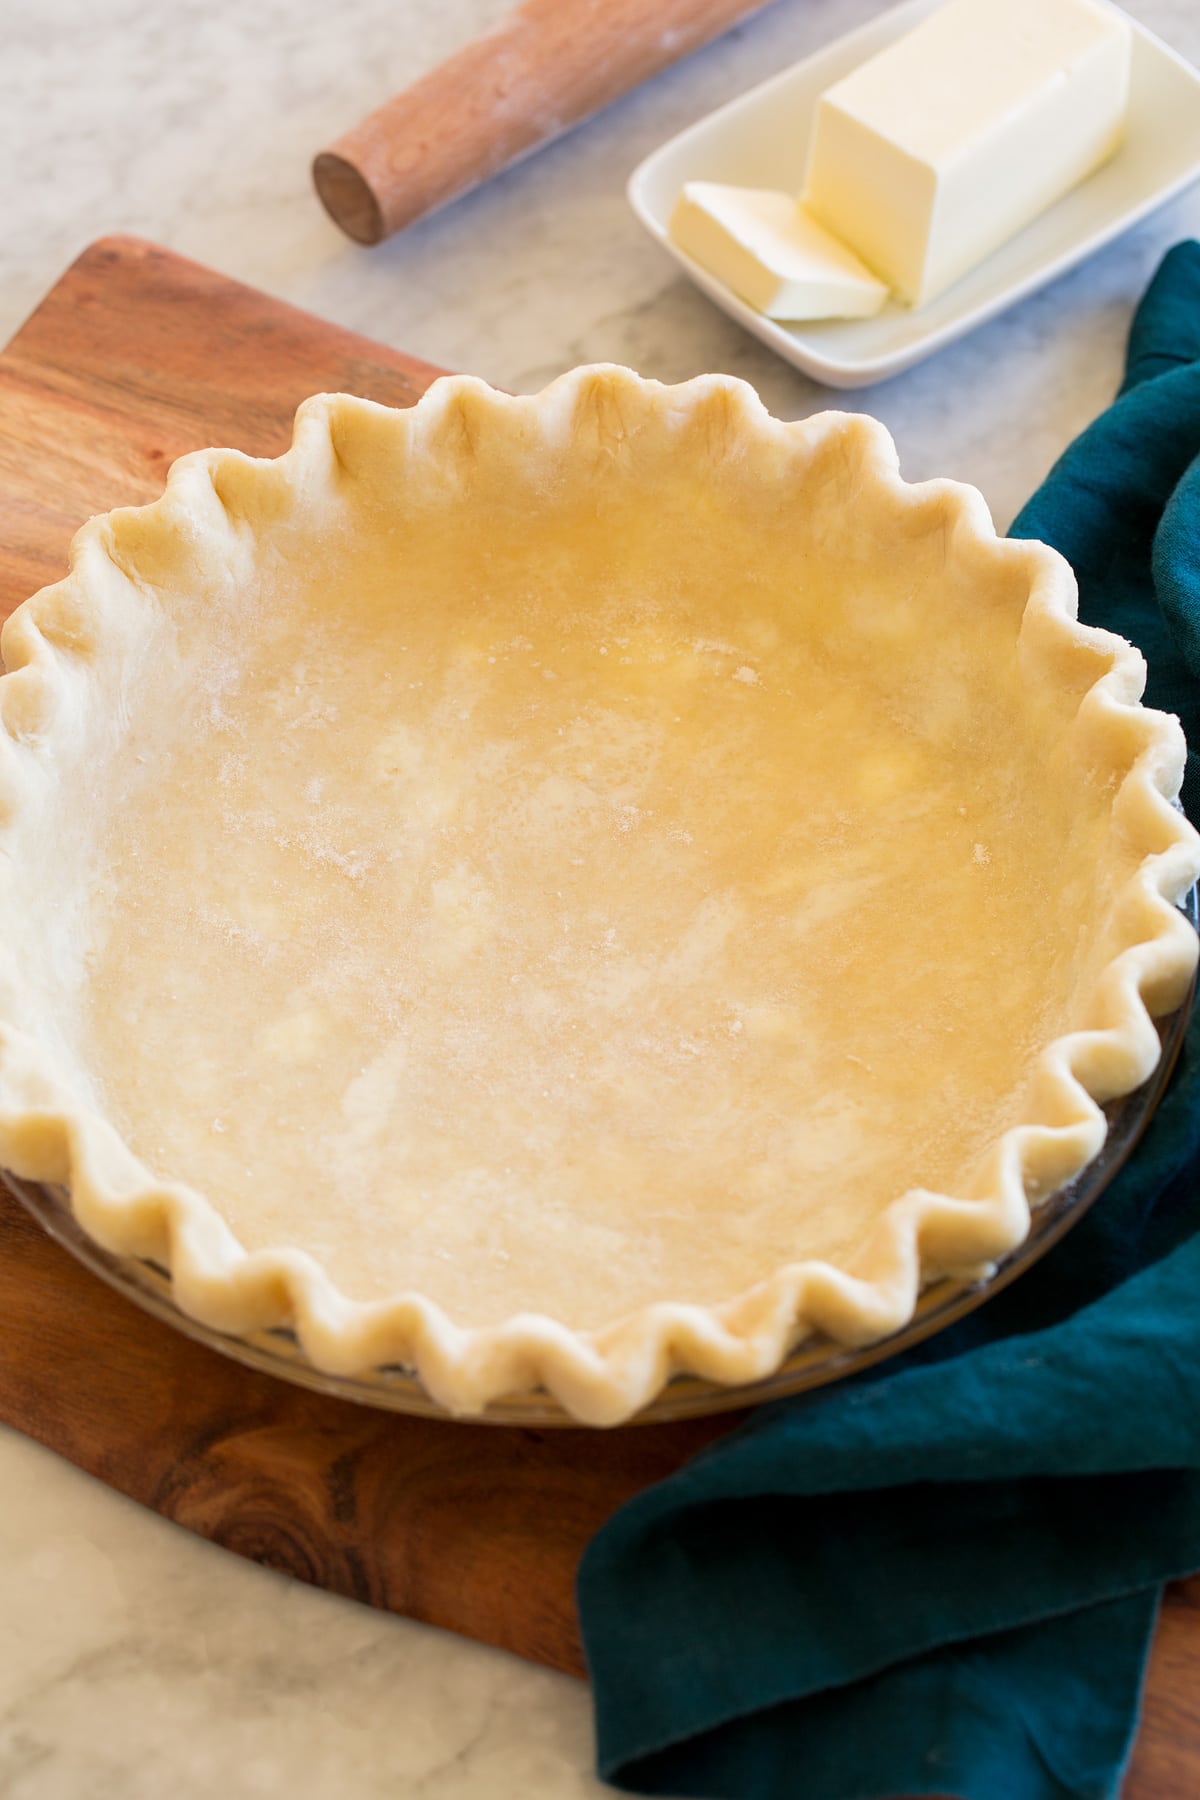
{"points": [[134, 1660]]}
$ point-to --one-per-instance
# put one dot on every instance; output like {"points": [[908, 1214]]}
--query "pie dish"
{"points": [[555, 891]]}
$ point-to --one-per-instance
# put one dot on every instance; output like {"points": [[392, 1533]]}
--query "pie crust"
{"points": [[557, 891]]}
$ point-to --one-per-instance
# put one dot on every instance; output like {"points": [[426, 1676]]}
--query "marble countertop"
{"points": [[136, 1660]]}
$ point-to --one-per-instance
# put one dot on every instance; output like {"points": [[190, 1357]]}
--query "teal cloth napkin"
{"points": [[943, 1576]]}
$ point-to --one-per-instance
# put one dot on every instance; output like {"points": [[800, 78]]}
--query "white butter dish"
{"points": [[761, 140]]}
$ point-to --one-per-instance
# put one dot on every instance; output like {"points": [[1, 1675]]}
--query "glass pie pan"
{"points": [[814, 1362]]}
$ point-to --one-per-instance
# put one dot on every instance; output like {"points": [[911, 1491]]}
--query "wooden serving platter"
{"points": [[135, 357]]}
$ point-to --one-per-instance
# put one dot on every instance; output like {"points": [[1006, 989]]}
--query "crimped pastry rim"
{"points": [[605, 1375]]}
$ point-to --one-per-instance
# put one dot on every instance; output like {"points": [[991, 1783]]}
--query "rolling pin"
{"points": [[543, 69]]}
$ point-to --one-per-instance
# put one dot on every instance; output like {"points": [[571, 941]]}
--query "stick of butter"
{"points": [[928, 156], [764, 246]]}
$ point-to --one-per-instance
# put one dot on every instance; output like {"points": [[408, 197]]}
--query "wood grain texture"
{"points": [[1166, 1757], [136, 357], [543, 69], [477, 1529]]}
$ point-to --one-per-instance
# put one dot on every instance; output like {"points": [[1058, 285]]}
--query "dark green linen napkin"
{"points": [[943, 1577]]}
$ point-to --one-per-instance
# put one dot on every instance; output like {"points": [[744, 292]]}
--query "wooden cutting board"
{"points": [[135, 357]]}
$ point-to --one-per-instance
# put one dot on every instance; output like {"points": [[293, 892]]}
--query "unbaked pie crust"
{"points": [[557, 891]]}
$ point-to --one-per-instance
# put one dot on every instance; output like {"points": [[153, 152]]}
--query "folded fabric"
{"points": [[942, 1577]]}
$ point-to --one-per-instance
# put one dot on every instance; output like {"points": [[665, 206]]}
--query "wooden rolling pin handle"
{"points": [[543, 69]]}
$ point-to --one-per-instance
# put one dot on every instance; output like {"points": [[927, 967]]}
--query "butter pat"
{"points": [[927, 157], [773, 254]]}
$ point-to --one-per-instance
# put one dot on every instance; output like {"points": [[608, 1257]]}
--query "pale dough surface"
{"points": [[570, 931]]}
